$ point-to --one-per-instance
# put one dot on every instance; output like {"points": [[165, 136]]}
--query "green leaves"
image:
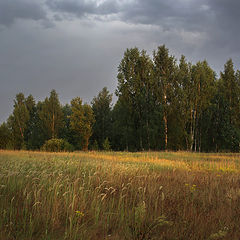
{"points": [[101, 106], [81, 122], [162, 104], [17, 122], [51, 115]]}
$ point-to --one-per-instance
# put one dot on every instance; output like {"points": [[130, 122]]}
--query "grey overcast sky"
{"points": [[75, 46]]}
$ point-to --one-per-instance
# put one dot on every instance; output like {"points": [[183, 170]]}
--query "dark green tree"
{"points": [[5, 136], [123, 137], [185, 102], [32, 132], [135, 99], [66, 131], [101, 106], [229, 91], [18, 121], [126, 90]]}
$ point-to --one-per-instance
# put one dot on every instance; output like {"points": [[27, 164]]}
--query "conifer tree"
{"points": [[101, 106]]}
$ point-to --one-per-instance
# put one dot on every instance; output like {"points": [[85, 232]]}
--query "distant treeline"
{"points": [[163, 104]]}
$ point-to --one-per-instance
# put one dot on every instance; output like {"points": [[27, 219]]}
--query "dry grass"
{"points": [[117, 196]]}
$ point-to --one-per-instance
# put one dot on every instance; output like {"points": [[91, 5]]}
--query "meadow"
{"points": [[119, 195]]}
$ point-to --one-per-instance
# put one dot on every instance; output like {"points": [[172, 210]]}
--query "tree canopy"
{"points": [[162, 104]]}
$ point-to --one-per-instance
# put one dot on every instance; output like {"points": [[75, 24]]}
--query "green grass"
{"points": [[109, 195]]}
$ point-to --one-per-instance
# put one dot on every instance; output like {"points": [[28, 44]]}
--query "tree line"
{"points": [[162, 104]]}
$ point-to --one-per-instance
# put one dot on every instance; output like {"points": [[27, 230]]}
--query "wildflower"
{"points": [[193, 188], [79, 214]]}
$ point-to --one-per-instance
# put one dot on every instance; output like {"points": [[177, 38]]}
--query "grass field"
{"points": [[97, 195]]}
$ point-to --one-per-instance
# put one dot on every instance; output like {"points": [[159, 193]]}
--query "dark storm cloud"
{"points": [[184, 13], [227, 12], [213, 17], [225, 28], [10, 10], [82, 8], [171, 13], [217, 19], [75, 46]]}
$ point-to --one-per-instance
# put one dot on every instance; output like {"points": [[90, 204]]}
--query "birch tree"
{"points": [[51, 115]]}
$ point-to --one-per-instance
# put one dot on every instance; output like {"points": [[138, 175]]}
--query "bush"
{"points": [[57, 145], [106, 145], [95, 146]]}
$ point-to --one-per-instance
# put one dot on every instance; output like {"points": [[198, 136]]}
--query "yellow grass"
{"points": [[119, 195]]}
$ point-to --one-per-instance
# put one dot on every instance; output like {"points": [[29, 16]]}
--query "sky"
{"points": [[75, 46]]}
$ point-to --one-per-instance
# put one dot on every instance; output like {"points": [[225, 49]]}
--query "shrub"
{"points": [[106, 145], [95, 146], [57, 145]]}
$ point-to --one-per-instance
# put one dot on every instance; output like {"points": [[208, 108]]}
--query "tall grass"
{"points": [[119, 196]]}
